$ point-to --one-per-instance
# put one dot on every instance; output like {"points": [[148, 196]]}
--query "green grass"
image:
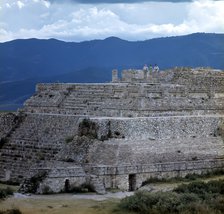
{"points": [[12, 185], [62, 204], [14, 188]]}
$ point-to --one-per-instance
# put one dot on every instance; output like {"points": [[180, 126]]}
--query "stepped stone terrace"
{"points": [[117, 134]]}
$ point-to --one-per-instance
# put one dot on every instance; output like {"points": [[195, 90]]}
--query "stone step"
{"points": [[38, 138]]}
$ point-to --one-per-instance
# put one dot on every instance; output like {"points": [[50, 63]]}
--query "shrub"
{"points": [[46, 190], [200, 187], [189, 198], [84, 188], [69, 160], [5, 192], [194, 198], [196, 208], [31, 185], [216, 186], [154, 180], [11, 211], [69, 139], [167, 202], [220, 130], [88, 128], [194, 187], [217, 172], [192, 177], [137, 202], [88, 186], [145, 202], [36, 179], [188, 177], [3, 141], [41, 155], [217, 204]]}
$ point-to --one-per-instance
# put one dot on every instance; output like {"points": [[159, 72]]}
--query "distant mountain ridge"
{"points": [[23, 63]]}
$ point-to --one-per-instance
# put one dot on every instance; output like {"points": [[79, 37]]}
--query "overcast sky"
{"points": [[78, 20]]}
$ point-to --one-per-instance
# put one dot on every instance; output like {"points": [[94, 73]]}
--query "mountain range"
{"points": [[25, 62]]}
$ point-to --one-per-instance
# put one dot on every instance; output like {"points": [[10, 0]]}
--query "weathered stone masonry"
{"points": [[162, 125]]}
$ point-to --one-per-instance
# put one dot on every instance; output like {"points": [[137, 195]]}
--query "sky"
{"points": [[80, 20]]}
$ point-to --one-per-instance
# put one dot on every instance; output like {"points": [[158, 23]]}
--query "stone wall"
{"points": [[56, 179], [200, 79], [119, 176], [132, 75], [7, 122], [196, 78], [159, 127]]}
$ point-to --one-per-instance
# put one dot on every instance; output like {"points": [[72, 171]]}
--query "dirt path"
{"points": [[91, 196]]}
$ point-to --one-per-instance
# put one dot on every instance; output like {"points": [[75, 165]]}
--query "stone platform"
{"points": [[118, 134]]}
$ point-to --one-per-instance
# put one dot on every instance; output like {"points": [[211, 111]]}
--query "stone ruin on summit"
{"points": [[118, 134]]}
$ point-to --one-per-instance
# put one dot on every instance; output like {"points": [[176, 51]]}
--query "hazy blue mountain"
{"points": [[23, 63]]}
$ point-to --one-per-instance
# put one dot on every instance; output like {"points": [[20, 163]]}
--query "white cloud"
{"points": [[43, 2], [20, 4], [136, 21], [46, 3], [5, 35], [44, 15], [206, 15], [95, 18]]}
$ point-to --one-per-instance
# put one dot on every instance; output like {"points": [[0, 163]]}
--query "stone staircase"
{"points": [[38, 138], [45, 98], [84, 101], [123, 99], [152, 99]]}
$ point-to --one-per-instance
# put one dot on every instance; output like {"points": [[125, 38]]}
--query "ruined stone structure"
{"points": [[118, 134]]}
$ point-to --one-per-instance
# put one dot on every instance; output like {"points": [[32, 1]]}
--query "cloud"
{"points": [[46, 3], [19, 4], [8, 5], [137, 21], [120, 1], [206, 15]]}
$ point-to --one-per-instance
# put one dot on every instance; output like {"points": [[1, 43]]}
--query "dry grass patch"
{"points": [[58, 204]]}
